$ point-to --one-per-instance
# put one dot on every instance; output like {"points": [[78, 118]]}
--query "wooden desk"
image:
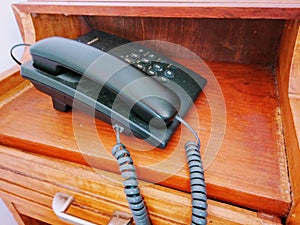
{"points": [[245, 113]]}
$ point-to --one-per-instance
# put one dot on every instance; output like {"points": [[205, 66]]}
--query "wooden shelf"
{"points": [[247, 116], [249, 169]]}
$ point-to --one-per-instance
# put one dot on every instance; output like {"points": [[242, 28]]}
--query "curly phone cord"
{"points": [[128, 173], [197, 182]]}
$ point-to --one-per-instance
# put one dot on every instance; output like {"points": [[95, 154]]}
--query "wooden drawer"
{"points": [[30, 181]]}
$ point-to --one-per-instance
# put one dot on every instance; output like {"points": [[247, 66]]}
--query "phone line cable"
{"points": [[197, 181], [196, 172], [12, 54], [130, 183]]}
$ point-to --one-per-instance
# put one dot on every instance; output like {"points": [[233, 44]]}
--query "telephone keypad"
{"points": [[149, 63], [147, 60]]}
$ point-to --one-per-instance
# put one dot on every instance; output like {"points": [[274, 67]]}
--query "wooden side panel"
{"points": [[290, 111], [25, 24], [294, 80]]}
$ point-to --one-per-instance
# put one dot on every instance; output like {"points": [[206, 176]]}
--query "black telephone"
{"points": [[132, 85], [133, 88]]}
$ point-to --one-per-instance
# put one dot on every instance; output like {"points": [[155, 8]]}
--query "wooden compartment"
{"points": [[241, 116]]}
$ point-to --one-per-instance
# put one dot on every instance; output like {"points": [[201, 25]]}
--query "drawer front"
{"points": [[31, 181], [97, 194]]}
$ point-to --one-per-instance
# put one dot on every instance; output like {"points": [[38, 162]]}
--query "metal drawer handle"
{"points": [[61, 202]]}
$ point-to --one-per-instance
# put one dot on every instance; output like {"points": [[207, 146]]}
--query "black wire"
{"points": [[12, 55]]}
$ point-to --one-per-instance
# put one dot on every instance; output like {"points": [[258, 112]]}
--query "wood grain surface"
{"points": [[32, 185], [274, 9], [288, 75], [231, 40], [249, 168]]}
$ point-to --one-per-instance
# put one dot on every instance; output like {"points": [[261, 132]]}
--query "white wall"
{"points": [[6, 218], [10, 35]]}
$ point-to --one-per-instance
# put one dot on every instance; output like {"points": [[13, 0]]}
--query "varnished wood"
{"points": [[243, 41], [294, 79], [184, 9], [26, 27], [97, 193], [290, 109], [70, 22], [11, 83], [251, 106], [246, 146], [231, 40], [296, 115], [30, 221], [31, 209]]}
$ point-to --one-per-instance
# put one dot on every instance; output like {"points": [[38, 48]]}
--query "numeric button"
{"points": [[135, 56], [140, 66], [157, 67], [145, 60], [151, 72], [169, 74]]}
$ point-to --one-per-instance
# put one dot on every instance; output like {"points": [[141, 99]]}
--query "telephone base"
{"points": [[103, 108]]}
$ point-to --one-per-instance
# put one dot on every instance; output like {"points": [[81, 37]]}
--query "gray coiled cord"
{"points": [[130, 183], [197, 181]]}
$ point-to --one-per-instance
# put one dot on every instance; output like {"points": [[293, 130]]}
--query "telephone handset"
{"points": [[149, 98], [147, 105]]}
